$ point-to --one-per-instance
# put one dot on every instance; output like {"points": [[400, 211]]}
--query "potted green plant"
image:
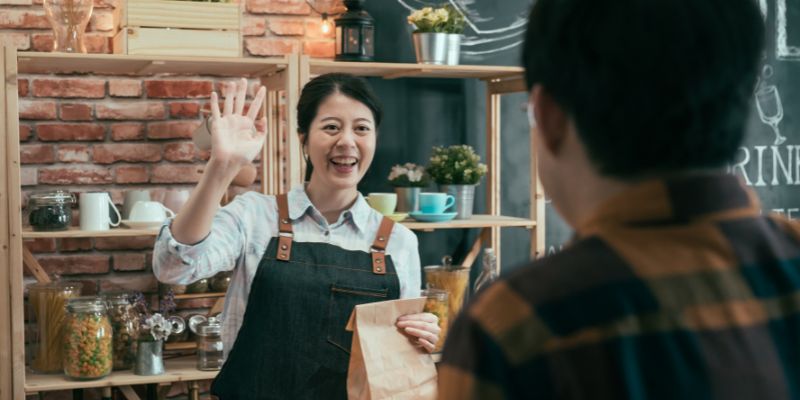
{"points": [[457, 169], [408, 180], [437, 35]]}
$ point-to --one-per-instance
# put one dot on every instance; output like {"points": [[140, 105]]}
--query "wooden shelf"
{"points": [[75, 232], [119, 64], [180, 346], [179, 369], [401, 70], [477, 221], [191, 296]]}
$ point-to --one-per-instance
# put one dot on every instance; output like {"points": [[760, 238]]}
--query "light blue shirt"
{"points": [[241, 231]]}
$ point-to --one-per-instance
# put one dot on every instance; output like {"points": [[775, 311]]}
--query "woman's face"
{"points": [[341, 142]]}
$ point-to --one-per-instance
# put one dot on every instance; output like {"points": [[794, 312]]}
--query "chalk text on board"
{"points": [[768, 165]]}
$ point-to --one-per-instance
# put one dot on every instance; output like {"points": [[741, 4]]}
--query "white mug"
{"points": [[150, 211], [131, 198], [94, 211]]}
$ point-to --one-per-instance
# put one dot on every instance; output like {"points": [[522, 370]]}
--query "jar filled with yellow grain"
{"points": [[454, 279], [48, 302], [87, 339]]}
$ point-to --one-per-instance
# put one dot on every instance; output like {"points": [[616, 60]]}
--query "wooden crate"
{"points": [[181, 28]]}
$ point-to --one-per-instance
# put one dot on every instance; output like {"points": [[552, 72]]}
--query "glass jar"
{"points": [[87, 339], [48, 301], [452, 278], [436, 304], [210, 354], [199, 286], [125, 328], [50, 211], [219, 283]]}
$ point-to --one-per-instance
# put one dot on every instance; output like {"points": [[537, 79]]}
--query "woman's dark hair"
{"points": [[653, 86], [323, 86]]}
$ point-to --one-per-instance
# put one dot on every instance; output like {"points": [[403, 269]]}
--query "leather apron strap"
{"points": [[378, 249], [285, 233]]}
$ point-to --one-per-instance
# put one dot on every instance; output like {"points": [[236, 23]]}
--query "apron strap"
{"points": [[285, 233], [378, 249]]}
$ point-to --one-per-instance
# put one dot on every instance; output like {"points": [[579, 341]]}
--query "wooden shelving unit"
{"points": [[77, 233]]}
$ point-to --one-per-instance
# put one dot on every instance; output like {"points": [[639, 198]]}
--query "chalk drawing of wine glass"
{"points": [[770, 110]]}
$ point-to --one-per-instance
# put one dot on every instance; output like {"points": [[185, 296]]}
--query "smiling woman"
{"points": [[305, 258]]}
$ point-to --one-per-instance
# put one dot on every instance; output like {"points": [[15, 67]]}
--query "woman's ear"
{"points": [[552, 121]]}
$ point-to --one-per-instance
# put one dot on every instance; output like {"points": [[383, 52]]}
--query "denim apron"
{"points": [[292, 343]]}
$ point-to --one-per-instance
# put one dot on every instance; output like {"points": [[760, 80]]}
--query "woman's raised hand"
{"points": [[236, 137]]}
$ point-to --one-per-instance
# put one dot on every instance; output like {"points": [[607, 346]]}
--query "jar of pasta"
{"points": [[48, 301], [87, 339], [125, 327]]}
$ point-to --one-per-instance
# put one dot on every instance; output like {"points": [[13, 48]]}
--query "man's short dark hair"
{"points": [[654, 86]]}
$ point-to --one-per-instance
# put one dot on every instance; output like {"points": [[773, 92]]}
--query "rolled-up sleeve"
{"points": [[178, 263]]}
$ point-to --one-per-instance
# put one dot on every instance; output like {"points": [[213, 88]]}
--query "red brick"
{"points": [[131, 174], [179, 152], [166, 173], [37, 154], [270, 47], [24, 132], [70, 88], [203, 155], [287, 27], [319, 49], [73, 153], [125, 88], [314, 29], [70, 132], [129, 262], [127, 131], [102, 21], [29, 176], [20, 41], [172, 129], [75, 264], [74, 176], [142, 110], [184, 110], [42, 42], [178, 89], [23, 19], [41, 245], [131, 152], [37, 109], [254, 26], [145, 283], [22, 87], [76, 112], [96, 43], [128, 243], [293, 7], [75, 244]]}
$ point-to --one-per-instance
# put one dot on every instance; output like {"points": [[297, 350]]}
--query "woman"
{"points": [[301, 261]]}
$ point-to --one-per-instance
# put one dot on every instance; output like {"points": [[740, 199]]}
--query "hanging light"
{"points": [[355, 33], [326, 24]]}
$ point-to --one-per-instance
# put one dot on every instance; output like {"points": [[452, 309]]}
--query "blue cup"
{"points": [[435, 203]]}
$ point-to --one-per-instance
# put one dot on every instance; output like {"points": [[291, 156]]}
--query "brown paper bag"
{"points": [[384, 364]]}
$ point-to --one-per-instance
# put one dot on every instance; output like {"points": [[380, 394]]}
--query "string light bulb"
{"points": [[326, 24]]}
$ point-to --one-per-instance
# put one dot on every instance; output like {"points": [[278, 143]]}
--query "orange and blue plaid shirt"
{"points": [[675, 289]]}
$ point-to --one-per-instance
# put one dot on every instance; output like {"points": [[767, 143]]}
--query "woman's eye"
{"points": [[363, 129], [330, 127]]}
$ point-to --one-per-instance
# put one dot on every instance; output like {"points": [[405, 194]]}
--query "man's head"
{"points": [[648, 87]]}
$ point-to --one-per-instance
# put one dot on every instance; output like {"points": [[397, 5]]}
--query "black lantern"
{"points": [[355, 33]]}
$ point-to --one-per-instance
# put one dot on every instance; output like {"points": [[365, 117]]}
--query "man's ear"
{"points": [[551, 120]]}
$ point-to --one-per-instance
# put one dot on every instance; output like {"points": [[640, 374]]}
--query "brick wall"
{"points": [[115, 133]]}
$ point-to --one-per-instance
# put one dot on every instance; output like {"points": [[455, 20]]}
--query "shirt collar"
{"points": [[675, 200], [299, 205]]}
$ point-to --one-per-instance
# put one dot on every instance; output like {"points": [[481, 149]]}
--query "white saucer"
{"points": [[424, 217], [141, 224]]}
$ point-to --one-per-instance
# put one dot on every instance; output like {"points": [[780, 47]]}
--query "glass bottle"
{"points": [[488, 272], [68, 19], [87, 339], [48, 301], [210, 354], [125, 327], [436, 304]]}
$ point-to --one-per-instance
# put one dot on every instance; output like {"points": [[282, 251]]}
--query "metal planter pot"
{"points": [[465, 199], [437, 48], [407, 198], [149, 359]]}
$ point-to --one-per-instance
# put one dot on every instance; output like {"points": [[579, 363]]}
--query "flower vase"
{"points": [[407, 198], [68, 19], [465, 199], [149, 358]]}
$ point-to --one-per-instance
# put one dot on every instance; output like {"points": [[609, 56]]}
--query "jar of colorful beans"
{"points": [[87, 339], [125, 327]]}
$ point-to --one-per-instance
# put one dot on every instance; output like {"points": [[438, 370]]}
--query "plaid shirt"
{"points": [[675, 289]]}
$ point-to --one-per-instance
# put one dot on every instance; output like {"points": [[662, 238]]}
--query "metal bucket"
{"points": [[149, 359], [431, 48], [453, 49], [407, 198], [465, 199]]}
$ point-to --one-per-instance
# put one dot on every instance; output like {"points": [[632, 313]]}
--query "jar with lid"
{"points": [[48, 301], [50, 211], [88, 339], [210, 354], [454, 279], [125, 327]]}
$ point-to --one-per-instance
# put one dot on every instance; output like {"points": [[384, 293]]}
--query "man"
{"points": [[675, 287]]}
